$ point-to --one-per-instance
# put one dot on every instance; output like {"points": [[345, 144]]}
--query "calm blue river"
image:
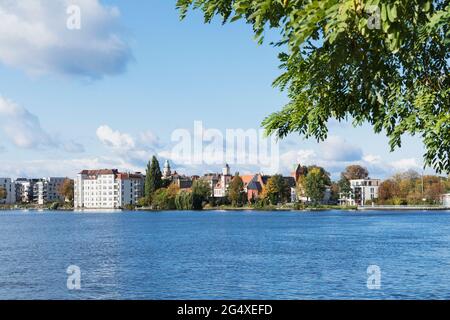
{"points": [[225, 255]]}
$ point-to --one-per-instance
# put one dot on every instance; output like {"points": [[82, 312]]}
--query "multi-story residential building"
{"points": [[8, 185], [107, 189], [47, 190], [24, 190], [362, 191]]}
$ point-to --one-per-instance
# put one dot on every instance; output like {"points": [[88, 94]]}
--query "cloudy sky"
{"points": [[112, 93]]}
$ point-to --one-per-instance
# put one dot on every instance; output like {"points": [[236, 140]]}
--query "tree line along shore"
{"points": [[403, 189]]}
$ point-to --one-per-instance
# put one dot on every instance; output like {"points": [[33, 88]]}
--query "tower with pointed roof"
{"points": [[167, 172]]}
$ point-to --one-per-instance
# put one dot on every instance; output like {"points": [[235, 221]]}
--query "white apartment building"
{"points": [[24, 190], [107, 189], [8, 185], [363, 190]]}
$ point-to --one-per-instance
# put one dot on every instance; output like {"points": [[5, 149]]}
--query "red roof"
{"points": [[115, 172]]}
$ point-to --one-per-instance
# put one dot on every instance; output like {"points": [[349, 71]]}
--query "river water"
{"points": [[225, 255]]}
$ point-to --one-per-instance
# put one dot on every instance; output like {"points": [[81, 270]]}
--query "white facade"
{"points": [[107, 189], [363, 190], [446, 200], [24, 190], [10, 188], [221, 188], [303, 199]]}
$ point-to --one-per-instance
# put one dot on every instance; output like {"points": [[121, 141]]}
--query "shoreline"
{"points": [[230, 209]]}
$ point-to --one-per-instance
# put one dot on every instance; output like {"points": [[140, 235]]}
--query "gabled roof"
{"points": [[247, 179], [255, 184]]}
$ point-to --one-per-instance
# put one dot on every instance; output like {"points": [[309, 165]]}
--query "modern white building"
{"points": [[446, 200], [363, 191], [8, 185], [107, 189], [24, 190]]}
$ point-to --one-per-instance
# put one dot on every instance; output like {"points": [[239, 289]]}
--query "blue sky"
{"points": [[155, 75]]}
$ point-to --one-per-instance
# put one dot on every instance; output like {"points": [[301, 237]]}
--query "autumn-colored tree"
{"points": [[236, 193], [276, 190], [355, 172], [388, 190], [410, 188], [67, 190], [2, 193]]}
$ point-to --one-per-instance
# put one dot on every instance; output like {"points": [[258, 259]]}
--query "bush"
{"points": [[54, 206], [184, 201], [163, 200]]}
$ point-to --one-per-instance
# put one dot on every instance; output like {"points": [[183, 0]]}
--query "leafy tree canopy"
{"points": [[153, 180], [236, 193], [315, 185], [67, 189], [384, 62], [355, 171], [201, 191]]}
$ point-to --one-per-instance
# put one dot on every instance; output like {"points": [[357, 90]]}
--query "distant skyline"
{"points": [[110, 94]]}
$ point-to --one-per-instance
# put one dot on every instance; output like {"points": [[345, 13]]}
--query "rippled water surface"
{"points": [[225, 255]]}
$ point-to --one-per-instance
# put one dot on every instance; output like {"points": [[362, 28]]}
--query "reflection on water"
{"points": [[224, 255]]}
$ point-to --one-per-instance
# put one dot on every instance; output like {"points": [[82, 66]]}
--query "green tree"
{"points": [[342, 60], [344, 185], [201, 191], [315, 185], [153, 179], [276, 190], [164, 198], [184, 200], [236, 193]]}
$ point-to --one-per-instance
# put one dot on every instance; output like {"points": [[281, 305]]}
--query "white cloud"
{"points": [[61, 167], [405, 164], [24, 129], [148, 138], [125, 146], [34, 37], [115, 139], [338, 149], [373, 159], [290, 158], [73, 147]]}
